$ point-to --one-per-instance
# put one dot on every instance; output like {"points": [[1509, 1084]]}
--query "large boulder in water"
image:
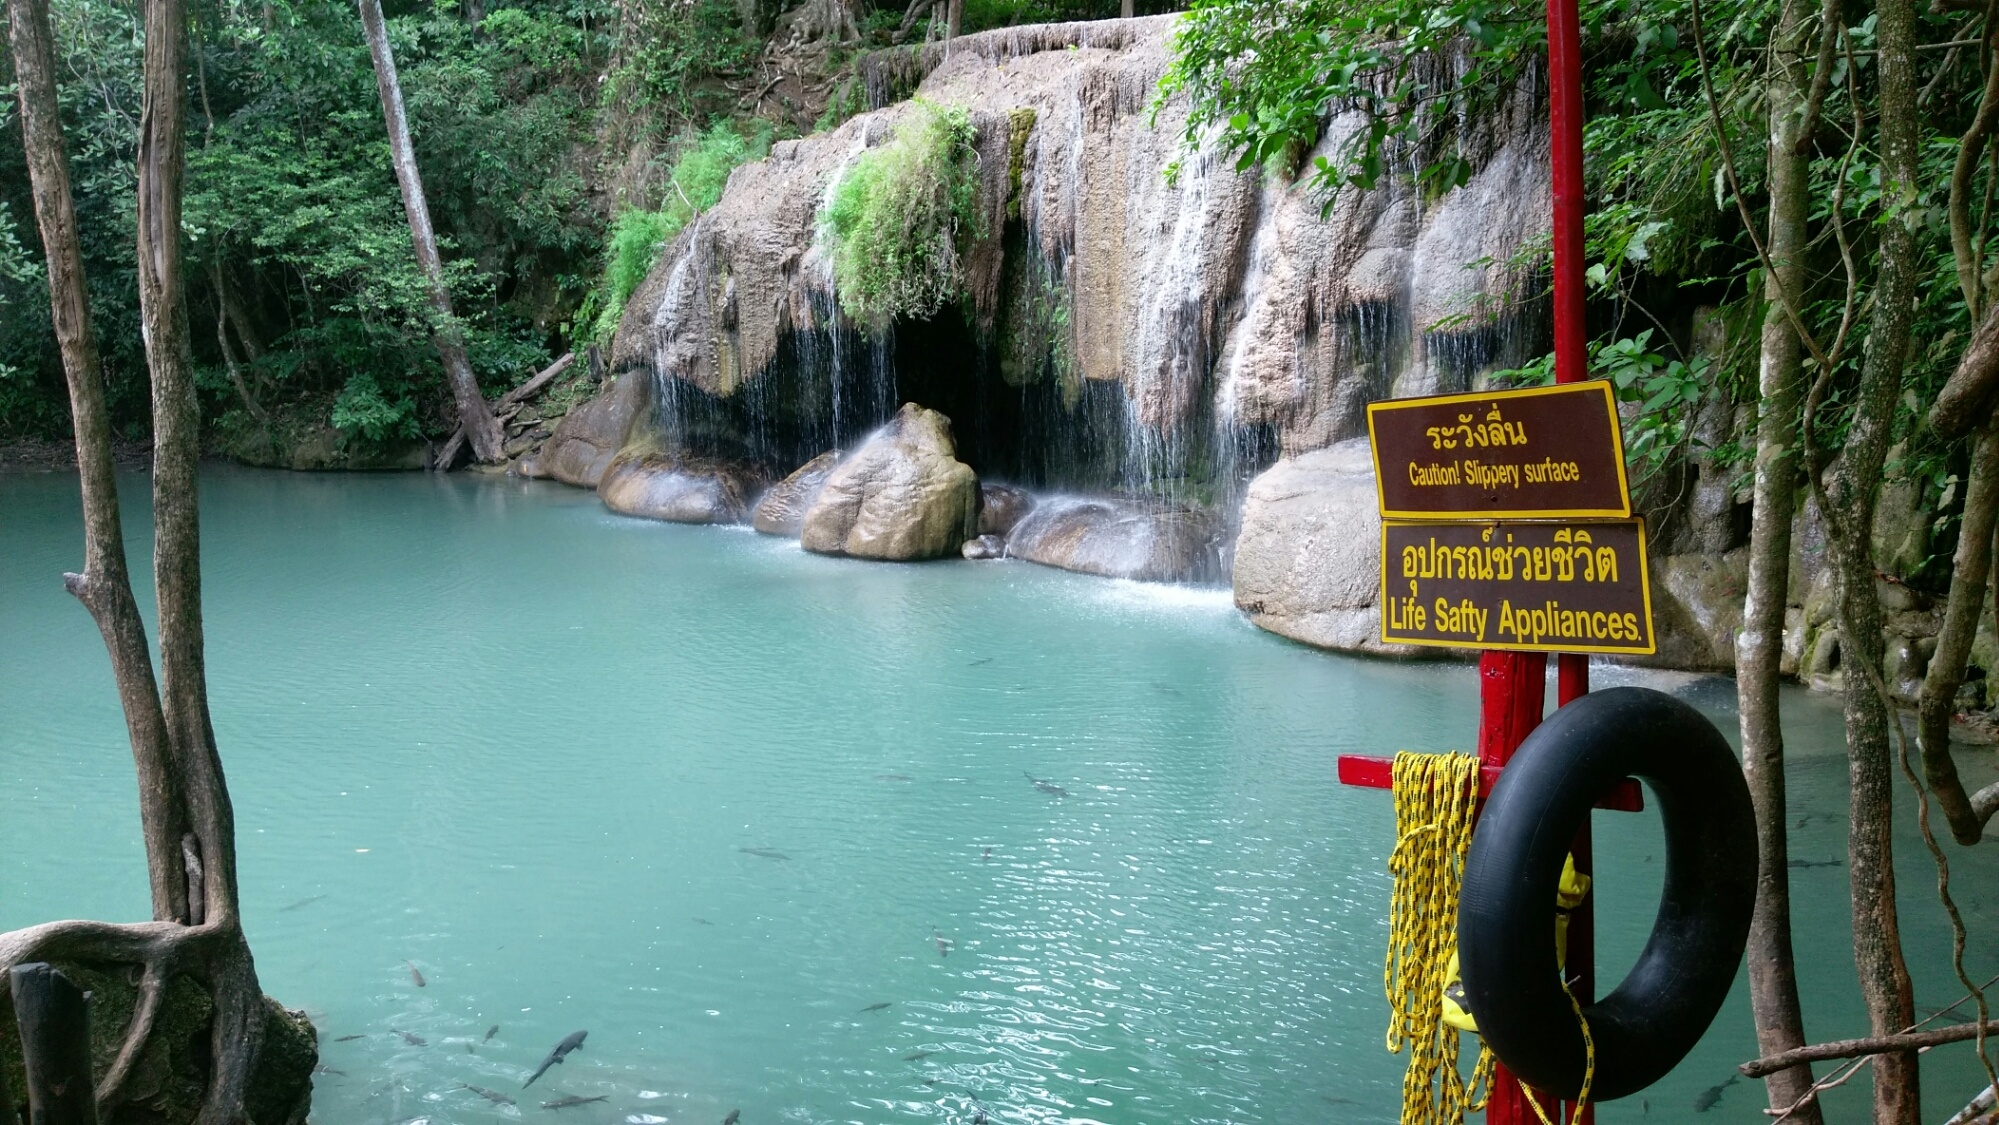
{"points": [[675, 487], [1308, 558], [903, 495], [589, 436], [1001, 506], [1119, 539], [782, 509]]}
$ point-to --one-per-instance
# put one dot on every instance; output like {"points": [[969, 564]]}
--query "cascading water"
{"points": [[1153, 342]]}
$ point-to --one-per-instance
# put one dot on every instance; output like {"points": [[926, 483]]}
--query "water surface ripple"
{"points": [[716, 801]]}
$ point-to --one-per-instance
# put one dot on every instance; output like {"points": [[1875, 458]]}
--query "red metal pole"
{"points": [[1511, 685], [1565, 129]]}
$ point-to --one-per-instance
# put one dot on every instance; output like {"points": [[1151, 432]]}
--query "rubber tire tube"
{"points": [[1506, 913]]}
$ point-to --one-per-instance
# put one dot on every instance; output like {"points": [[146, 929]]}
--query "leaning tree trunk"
{"points": [[1851, 489], [475, 417], [1773, 974], [183, 801]]}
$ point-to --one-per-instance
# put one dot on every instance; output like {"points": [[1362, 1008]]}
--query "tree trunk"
{"points": [[1773, 975], [183, 800], [1851, 488], [1965, 404], [473, 412], [1127, 9], [954, 18], [1966, 814], [225, 311], [104, 585]]}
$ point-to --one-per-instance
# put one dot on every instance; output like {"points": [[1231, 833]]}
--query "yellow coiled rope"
{"points": [[1436, 796]]}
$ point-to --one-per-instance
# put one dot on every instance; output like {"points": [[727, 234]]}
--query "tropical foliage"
{"points": [[898, 214]]}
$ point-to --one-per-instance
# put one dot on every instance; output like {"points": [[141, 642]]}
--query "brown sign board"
{"points": [[1561, 586], [1537, 453]]}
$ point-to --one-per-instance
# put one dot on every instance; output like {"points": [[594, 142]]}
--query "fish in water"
{"points": [[986, 855], [979, 1118], [468, 1048], [767, 853], [944, 944], [322, 1068], [881, 1007], [918, 1056], [416, 974], [301, 904], [735, 1115], [703, 922], [573, 1100], [1815, 863], [349, 1038], [1712, 1095], [490, 1032], [412, 1040], [570, 1042], [982, 660], [1048, 787], [892, 777], [494, 1096]]}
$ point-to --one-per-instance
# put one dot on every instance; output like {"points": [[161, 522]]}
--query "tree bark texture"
{"points": [[1773, 976], [954, 19], [473, 412], [1966, 401], [1852, 487]]}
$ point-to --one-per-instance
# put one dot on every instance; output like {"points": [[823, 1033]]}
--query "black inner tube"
{"points": [[1506, 915]]}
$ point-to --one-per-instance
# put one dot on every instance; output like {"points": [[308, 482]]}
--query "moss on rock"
{"points": [[171, 1075]]}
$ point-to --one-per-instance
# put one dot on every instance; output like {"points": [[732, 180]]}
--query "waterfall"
{"points": [[1153, 341]]}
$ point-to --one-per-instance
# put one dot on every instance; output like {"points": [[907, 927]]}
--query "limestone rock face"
{"points": [[1308, 559], [1217, 284], [588, 437], [1001, 506], [782, 509], [1697, 610], [902, 495], [664, 486], [1119, 539]]}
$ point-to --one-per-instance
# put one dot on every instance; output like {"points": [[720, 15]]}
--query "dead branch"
{"points": [[1871, 1045]]}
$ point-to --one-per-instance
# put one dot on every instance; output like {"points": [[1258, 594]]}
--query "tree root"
{"points": [[216, 954]]}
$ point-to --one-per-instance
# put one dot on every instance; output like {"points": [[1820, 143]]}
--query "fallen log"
{"points": [[452, 447]]}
